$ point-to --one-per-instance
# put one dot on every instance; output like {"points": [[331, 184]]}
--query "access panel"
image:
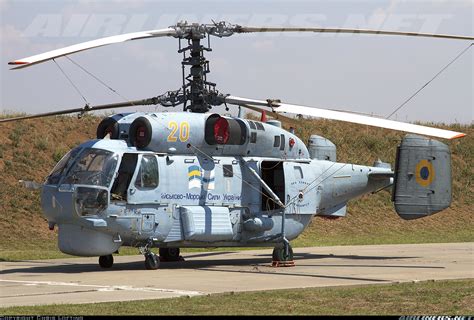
{"points": [[204, 223]]}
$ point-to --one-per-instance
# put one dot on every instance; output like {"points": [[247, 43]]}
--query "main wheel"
{"points": [[170, 254], [106, 261], [279, 254], [152, 262]]}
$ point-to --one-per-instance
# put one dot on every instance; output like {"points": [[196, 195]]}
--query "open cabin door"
{"points": [[272, 174], [120, 188], [137, 179]]}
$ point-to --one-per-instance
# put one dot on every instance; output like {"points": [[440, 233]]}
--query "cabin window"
{"points": [[276, 142], [252, 125], [253, 137], [260, 126], [298, 173], [228, 171], [282, 142], [147, 176]]}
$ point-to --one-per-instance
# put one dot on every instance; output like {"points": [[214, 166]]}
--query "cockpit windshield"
{"points": [[92, 167], [62, 166]]}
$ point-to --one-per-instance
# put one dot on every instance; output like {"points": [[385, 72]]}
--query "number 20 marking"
{"points": [[183, 131]]}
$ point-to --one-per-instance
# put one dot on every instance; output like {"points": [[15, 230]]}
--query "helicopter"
{"points": [[197, 179]]}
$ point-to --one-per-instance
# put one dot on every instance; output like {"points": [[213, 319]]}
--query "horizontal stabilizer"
{"points": [[381, 175]]}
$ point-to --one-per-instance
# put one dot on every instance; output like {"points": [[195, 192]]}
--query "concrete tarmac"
{"points": [[81, 280]]}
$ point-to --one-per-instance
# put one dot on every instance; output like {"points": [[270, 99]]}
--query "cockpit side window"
{"points": [[147, 177], [124, 177]]}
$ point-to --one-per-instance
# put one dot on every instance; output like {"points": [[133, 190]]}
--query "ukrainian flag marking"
{"points": [[194, 177]]}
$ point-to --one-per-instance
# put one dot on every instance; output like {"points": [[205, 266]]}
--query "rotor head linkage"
{"points": [[196, 88], [185, 30]]}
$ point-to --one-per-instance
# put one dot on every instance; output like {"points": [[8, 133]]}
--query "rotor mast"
{"points": [[197, 88], [202, 94]]}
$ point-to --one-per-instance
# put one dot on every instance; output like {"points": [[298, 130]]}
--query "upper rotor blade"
{"points": [[348, 117], [86, 109], [29, 61], [242, 29]]}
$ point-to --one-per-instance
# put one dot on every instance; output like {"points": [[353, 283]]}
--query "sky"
{"points": [[361, 73]]}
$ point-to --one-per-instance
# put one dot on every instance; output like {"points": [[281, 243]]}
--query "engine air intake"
{"points": [[140, 132], [108, 126], [220, 130]]}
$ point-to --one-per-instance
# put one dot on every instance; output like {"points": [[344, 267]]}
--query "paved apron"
{"points": [[81, 280]]}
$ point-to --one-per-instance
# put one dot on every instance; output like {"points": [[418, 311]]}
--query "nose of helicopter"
{"points": [[57, 204]]}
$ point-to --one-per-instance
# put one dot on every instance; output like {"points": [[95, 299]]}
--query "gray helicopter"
{"points": [[198, 179]]}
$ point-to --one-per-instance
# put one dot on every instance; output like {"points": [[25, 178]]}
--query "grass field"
{"points": [[455, 297]]}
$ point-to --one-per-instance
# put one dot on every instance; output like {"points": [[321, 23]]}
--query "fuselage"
{"points": [[181, 191]]}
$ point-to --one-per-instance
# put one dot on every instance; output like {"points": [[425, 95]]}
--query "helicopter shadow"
{"points": [[257, 261]]}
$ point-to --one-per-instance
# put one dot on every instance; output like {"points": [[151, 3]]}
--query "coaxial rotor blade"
{"points": [[219, 29], [150, 101], [29, 61], [243, 29], [273, 114], [279, 107]]}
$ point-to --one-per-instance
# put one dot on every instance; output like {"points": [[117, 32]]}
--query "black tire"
{"points": [[279, 254], [106, 261], [152, 262], [170, 254]]}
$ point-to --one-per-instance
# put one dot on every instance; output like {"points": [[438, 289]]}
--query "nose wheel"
{"points": [[106, 262], [152, 261]]}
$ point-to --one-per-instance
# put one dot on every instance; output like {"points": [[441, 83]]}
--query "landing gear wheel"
{"points": [[152, 262], [281, 258], [106, 261], [170, 254], [279, 254]]}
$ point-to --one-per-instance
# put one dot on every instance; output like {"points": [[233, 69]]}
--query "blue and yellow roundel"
{"points": [[425, 173]]}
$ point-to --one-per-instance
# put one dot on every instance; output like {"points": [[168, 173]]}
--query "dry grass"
{"points": [[28, 151]]}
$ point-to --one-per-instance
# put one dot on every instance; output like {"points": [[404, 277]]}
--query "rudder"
{"points": [[422, 183]]}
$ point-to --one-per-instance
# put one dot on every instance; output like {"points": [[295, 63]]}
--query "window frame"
{"points": [[276, 141], [138, 176], [228, 170]]}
